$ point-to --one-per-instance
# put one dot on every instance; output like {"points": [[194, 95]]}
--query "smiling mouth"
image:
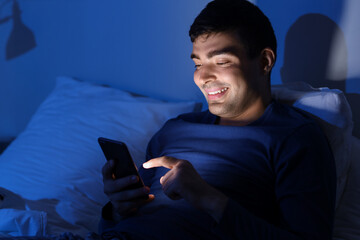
{"points": [[217, 92]]}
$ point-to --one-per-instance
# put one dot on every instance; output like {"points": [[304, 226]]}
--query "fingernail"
{"points": [[145, 165]]}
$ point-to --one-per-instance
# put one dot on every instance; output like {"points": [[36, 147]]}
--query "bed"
{"points": [[50, 175]]}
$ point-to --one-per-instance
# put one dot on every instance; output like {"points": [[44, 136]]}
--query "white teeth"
{"points": [[217, 92]]}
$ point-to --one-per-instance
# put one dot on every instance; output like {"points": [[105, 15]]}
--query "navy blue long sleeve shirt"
{"points": [[278, 172]]}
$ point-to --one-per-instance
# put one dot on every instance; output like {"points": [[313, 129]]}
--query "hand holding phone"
{"points": [[125, 193], [124, 165]]}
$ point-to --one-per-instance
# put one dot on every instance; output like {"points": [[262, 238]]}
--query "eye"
{"points": [[222, 63]]}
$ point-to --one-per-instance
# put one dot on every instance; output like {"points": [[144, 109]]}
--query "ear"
{"points": [[267, 60]]}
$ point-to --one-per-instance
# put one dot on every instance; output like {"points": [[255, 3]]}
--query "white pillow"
{"points": [[331, 109], [57, 157]]}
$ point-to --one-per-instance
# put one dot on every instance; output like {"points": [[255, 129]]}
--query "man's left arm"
{"points": [[306, 182]]}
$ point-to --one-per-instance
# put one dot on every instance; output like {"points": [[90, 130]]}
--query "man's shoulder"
{"points": [[288, 121], [287, 115]]}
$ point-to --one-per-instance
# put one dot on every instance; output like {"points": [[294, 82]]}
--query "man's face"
{"points": [[229, 80]]}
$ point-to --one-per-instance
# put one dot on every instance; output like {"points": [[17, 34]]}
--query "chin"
{"points": [[216, 109]]}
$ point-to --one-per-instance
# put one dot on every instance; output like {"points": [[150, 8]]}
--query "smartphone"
{"points": [[124, 164]]}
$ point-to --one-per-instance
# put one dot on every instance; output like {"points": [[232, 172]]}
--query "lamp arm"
{"points": [[5, 19]]}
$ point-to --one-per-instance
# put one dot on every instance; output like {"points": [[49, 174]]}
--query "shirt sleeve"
{"points": [[305, 189]]}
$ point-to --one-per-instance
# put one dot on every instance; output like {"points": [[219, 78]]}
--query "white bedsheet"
{"points": [[14, 222]]}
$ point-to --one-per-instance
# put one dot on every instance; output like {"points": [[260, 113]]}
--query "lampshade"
{"points": [[21, 37]]}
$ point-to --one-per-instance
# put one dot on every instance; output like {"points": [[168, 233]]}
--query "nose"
{"points": [[204, 75]]}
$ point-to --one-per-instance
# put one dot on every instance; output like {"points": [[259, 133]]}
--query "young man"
{"points": [[248, 168]]}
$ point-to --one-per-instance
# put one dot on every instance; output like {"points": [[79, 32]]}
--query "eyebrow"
{"points": [[232, 50]]}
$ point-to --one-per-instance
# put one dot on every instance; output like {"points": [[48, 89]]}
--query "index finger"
{"points": [[165, 161]]}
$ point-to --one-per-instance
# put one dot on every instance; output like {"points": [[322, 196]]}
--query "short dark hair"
{"points": [[240, 16]]}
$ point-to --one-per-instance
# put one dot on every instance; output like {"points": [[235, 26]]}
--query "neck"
{"points": [[252, 113]]}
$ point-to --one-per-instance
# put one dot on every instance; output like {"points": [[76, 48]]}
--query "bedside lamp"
{"points": [[21, 38]]}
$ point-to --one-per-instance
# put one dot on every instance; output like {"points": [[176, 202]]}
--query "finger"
{"points": [[169, 186], [130, 206], [129, 195], [166, 177], [112, 186], [151, 198], [141, 202], [171, 190], [174, 196], [123, 207], [165, 161], [108, 169]]}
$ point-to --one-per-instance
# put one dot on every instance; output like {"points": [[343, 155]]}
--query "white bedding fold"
{"points": [[15, 222]]}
